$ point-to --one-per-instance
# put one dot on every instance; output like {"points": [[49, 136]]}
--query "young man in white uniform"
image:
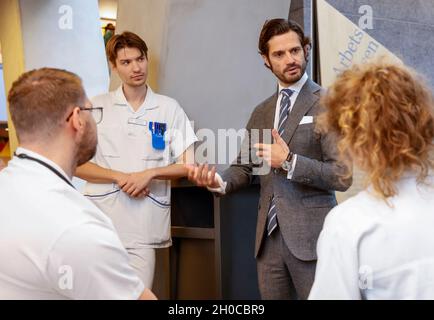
{"points": [[143, 141], [55, 243]]}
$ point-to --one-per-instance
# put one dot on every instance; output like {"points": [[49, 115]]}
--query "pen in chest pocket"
{"points": [[157, 130]]}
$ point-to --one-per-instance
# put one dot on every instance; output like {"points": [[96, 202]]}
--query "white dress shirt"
{"points": [[296, 88], [371, 250]]}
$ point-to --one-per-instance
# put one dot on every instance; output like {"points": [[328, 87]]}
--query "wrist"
{"points": [[152, 173], [287, 164], [290, 156], [216, 183], [116, 176], [287, 154]]}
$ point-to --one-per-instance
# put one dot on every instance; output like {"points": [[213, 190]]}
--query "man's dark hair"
{"points": [[277, 27], [125, 40]]}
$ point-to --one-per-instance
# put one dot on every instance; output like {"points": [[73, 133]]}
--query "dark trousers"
{"points": [[281, 276]]}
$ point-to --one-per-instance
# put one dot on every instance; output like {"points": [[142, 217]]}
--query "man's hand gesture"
{"points": [[273, 154]]}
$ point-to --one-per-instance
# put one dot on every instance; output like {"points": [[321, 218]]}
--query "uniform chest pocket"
{"points": [[151, 154], [110, 141]]}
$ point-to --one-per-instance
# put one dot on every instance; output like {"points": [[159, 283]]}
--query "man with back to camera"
{"points": [[298, 193], [143, 141], [54, 243]]}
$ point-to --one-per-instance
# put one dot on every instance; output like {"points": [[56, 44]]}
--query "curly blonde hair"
{"points": [[383, 116]]}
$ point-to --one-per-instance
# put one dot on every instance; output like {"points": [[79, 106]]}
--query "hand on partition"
{"points": [[202, 176]]}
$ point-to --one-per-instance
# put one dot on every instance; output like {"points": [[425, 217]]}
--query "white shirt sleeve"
{"points": [[291, 172], [222, 188], [182, 134], [337, 271], [88, 261]]}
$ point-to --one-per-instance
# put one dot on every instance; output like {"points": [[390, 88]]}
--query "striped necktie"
{"points": [[285, 104]]}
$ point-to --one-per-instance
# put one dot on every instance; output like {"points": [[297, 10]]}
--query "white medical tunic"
{"points": [[125, 144], [55, 243], [371, 250]]}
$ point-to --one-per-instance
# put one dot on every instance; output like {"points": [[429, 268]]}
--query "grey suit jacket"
{"points": [[303, 202]]}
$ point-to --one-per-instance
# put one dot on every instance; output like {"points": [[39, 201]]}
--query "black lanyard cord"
{"points": [[49, 167]]}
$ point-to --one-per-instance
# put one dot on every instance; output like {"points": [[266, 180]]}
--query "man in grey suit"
{"points": [[298, 191]]}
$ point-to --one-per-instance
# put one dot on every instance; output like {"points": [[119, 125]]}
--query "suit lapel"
{"points": [[270, 110], [305, 100]]}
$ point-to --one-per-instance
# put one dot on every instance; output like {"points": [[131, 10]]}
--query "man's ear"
{"points": [[113, 66], [266, 61], [77, 122], [306, 50]]}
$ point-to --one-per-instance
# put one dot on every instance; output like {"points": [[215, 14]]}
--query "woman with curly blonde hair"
{"points": [[379, 244]]}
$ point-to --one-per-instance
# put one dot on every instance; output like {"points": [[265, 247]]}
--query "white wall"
{"points": [[80, 49], [3, 114], [50, 42], [211, 63]]}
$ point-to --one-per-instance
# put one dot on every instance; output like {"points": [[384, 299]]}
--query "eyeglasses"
{"points": [[97, 113]]}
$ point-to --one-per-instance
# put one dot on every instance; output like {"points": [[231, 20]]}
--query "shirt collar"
{"points": [[149, 103], [35, 155], [120, 99], [296, 87]]}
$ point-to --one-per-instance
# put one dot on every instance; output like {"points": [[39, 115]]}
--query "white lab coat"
{"points": [[369, 250], [54, 243]]}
